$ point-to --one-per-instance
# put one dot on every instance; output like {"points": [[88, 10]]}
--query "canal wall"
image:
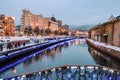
{"points": [[21, 52], [111, 52]]}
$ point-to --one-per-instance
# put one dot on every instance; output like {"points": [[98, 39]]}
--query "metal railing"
{"points": [[71, 72]]}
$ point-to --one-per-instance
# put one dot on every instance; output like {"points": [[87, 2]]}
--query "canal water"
{"points": [[72, 52]]}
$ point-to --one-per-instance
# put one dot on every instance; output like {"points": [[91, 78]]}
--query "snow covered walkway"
{"points": [[104, 45]]}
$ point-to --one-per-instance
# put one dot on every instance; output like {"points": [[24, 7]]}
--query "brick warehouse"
{"points": [[108, 32]]}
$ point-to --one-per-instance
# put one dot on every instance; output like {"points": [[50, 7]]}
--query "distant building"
{"points": [[53, 24], [79, 33], [82, 34], [59, 24], [7, 26], [17, 30], [108, 32], [33, 20], [29, 19], [65, 29]]}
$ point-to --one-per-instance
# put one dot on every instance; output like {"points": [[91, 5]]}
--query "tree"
{"points": [[28, 30], [56, 32], [47, 31], [37, 31], [41, 31]]}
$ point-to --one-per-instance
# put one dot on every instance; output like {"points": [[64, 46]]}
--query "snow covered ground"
{"points": [[13, 38], [4, 40], [104, 45]]}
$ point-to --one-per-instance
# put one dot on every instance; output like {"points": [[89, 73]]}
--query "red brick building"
{"points": [[108, 32], [7, 26]]}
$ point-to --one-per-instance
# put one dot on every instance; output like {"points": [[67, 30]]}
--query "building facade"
{"points": [[46, 25], [108, 32], [65, 29], [7, 26], [29, 19]]}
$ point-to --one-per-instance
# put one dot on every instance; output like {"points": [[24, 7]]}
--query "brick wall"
{"points": [[116, 41]]}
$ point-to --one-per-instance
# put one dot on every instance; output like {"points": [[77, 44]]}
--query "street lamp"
{"points": [[6, 18], [13, 18]]}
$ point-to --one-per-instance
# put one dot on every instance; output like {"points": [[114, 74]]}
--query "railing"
{"points": [[71, 72], [10, 44], [12, 55]]}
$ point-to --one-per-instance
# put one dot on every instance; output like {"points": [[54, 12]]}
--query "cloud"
{"points": [[69, 11]]}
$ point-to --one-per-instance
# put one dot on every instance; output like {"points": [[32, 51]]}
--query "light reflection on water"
{"points": [[104, 60], [72, 52], [67, 53]]}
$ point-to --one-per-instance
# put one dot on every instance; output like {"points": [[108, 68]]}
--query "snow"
{"points": [[4, 40], [14, 38], [104, 45]]}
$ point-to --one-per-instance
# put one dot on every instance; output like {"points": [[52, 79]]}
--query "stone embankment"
{"points": [[105, 48]]}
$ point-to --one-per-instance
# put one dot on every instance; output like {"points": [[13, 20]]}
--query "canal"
{"points": [[70, 52]]}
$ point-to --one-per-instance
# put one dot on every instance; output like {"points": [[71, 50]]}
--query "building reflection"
{"points": [[103, 59], [14, 70], [27, 62], [40, 57], [43, 56], [78, 41]]}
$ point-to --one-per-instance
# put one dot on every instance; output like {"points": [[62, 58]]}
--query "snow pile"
{"points": [[5, 39], [104, 45]]}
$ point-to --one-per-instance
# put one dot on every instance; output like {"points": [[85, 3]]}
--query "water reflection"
{"points": [[70, 52], [64, 53], [14, 70], [103, 59], [46, 54]]}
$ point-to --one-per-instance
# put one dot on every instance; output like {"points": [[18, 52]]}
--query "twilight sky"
{"points": [[75, 12]]}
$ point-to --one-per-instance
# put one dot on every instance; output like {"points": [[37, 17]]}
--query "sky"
{"points": [[71, 12]]}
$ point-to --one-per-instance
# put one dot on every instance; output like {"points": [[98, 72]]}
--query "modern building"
{"points": [[108, 32], [53, 24], [46, 25], [7, 26], [29, 19]]}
